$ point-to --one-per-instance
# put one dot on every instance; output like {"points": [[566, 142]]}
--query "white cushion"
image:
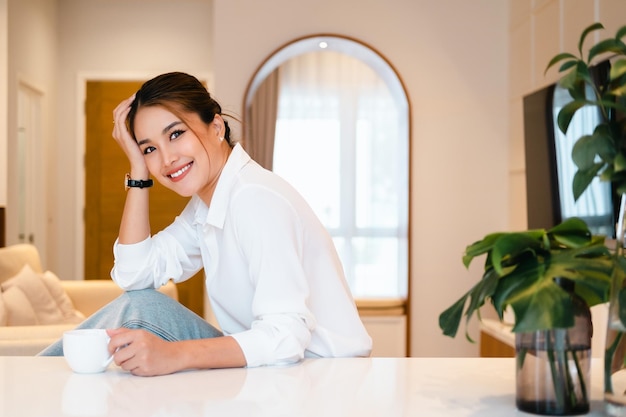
{"points": [[31, 298]]}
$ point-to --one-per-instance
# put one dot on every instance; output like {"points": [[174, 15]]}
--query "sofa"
{"points": [[36, 307]]}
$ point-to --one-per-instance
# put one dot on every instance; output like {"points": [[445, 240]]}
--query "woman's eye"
{"points": [[176, 134], [149, 149]]}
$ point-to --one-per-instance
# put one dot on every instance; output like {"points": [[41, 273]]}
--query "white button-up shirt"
{"points": [[273, 276]]}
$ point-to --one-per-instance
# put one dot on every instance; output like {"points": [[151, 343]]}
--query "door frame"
{"points": [[82, 79], [35, 164]]}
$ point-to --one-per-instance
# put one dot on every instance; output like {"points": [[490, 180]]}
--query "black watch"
{"points": [[128, 183]]}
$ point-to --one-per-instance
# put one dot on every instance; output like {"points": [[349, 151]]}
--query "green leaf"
{"points": [[483, 290], [607, 45], [480, 247], [621, 32], [587, 31], [584, 152], [621, 297], [539, 303], [450, 319], [599, 143], [510, 246], [576, 78], [603, 143], [560, 57], [567, 65], [619, 91], [568, 226], [571, 233], [620, 162], [526, 274], [618, 68], [582, 179], [530, 308], [590, 267], [567, 113], [578, 91]]}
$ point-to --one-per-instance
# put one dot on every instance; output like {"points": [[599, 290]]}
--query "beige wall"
{"points": [[31, 61]]}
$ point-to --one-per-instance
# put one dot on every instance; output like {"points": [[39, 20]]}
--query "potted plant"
{"points": [[532, 272], [546, 275], [603, 154]]}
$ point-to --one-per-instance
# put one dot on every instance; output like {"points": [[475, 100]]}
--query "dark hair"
{"points": [[179, 93]]}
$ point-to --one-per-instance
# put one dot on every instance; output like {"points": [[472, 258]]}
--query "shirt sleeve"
{"points": [[172, 254], [271, 236], [277, 339]]}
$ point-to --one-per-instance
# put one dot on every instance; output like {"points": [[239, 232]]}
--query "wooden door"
{"points": [[105, 167]]}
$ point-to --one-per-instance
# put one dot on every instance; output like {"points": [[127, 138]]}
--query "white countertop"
{"points": [[381, 387]]}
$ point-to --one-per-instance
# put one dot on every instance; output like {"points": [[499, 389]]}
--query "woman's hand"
{"points": [[123, 137], [143, 353]]}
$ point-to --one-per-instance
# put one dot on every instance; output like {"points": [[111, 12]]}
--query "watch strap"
{"points": [[130, 183]]}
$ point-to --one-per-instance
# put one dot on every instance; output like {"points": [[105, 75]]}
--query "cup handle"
{"points": [[108, 361]]}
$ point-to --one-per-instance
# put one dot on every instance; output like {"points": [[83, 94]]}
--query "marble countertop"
{"points": [[45, 386]]}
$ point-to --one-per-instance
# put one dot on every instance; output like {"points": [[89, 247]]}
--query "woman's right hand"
{"points": [[123, 137]]}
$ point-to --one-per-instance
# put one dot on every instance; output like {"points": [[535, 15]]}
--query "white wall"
{"points": [[452, 57]]}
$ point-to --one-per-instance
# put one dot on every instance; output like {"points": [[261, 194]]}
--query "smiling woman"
{"points": [[272, 306]]}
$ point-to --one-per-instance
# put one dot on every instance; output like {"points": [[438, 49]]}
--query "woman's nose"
{"points": [[169, 158]]}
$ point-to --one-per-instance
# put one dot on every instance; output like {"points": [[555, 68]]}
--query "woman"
{"points": [[273, 277]]}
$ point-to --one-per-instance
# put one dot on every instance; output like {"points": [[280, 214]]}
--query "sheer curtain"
{"points": [[338, 142]]}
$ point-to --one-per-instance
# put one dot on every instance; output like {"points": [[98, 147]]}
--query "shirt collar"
{"points": [[215, 214]]}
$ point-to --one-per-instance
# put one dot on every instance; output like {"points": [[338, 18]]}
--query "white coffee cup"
{"points": [[86, 350]]}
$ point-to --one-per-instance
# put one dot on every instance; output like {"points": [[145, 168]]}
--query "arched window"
{"points": [[341, 139]]}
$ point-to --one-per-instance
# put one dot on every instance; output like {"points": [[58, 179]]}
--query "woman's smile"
{"points": [[180, 173]]}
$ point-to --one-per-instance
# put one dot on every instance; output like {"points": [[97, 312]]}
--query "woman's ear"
{"points": [[218, 123]]}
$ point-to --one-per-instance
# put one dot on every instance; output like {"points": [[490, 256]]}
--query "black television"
{"points": [[550, 169]]}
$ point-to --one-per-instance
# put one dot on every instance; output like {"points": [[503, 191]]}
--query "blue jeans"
{"points": [[149, 310]]}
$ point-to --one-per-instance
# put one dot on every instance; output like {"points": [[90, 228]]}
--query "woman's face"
{"points": [[179, 159]]}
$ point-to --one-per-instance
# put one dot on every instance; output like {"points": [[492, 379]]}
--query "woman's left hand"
{"points": [[142, 353]]}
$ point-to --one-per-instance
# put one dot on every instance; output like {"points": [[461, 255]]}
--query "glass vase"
{"points": [[553, 366], [615, 347]]}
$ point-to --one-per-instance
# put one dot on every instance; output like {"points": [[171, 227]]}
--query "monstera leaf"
{"points": [[521, 270]]}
